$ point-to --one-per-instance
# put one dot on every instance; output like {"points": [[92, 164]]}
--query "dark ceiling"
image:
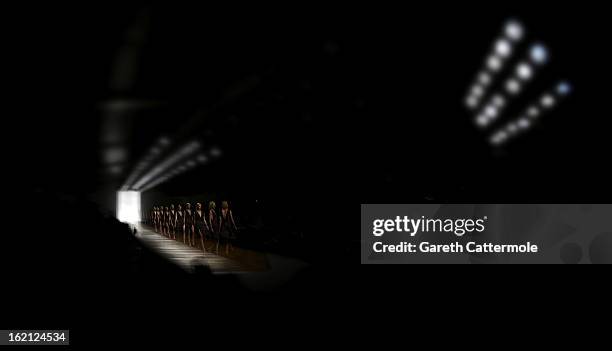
{"points": [[355, 103]]}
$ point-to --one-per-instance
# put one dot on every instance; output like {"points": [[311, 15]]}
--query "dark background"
{"points": [[349, 105], [337, 105]]}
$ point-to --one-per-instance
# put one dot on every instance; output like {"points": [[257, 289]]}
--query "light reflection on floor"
{"points": [[187, 257]]}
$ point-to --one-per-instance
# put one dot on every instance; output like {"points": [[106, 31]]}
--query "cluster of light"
{"points": [[523, 72], [171, 160], [184, 166], [502, 51], [145, 162], [534, 111], [486, 112]]}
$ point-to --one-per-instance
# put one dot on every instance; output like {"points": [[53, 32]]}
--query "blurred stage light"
{"points": [[215, 152], [477, 90], [487, 112], [523, 123], [491, 111], [524, 71], [482, 120], [547, 101], [538, 54], [185, 151], [154, 152], [503, 48], [202, 158], [502, 51], [514, 30], [498, 101], [513, 86], [533, 112], [484, 78], [494, 63], [563, 88], [471, 101], [128, 206], [164, 141]]}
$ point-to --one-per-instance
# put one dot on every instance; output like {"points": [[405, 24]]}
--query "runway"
{"points": [[188, 257]]}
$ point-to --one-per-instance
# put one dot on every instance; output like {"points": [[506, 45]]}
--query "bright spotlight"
{"points": [[498, 101], [523, 123], [482, 120], [533, 112], [477, 91], [512, 128], [484, 78], [128, 206], [503, 48], [491, 111], [494, 63], [513, 86], [524, 71], [498, 138], [471, 102], [564, 88], [514, 30], [547, 101], [538, 54]]}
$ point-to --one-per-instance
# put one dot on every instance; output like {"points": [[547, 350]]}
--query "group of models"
{"points": [[196, 226]]}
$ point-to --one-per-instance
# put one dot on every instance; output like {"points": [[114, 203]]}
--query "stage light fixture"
{"points": [[524, 122], [514, 30], [563, 88], [503, 48], [538, 54], [547, 101], [524, 71], [513, 86], [484, 78], [494, 63]]}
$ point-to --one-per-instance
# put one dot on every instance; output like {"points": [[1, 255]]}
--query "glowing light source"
{"points": [[523, 123], [128, 206], [482, 120], [215, 152], [513, 86], [471, 101], [533, 112], [484, 78], [491, 111], [494, 63], [164, 141], [202, 158], [563, 88], [538, 54], [498, 101], [501, 52], [524, 71], [514, 30], [503, 48], [547, 101]]}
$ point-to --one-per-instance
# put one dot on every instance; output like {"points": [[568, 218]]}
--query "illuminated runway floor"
{"points": [[188, 257]]}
